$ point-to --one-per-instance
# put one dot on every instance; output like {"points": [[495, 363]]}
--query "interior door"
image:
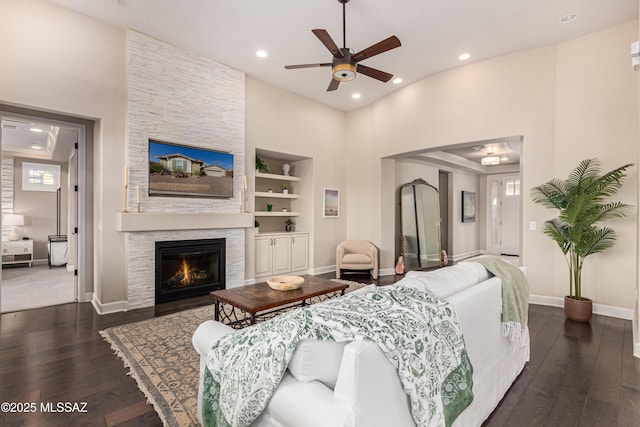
{"points": [[510, 215], [72, 218]]}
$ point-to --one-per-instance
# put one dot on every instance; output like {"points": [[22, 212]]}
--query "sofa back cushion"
{"points": [[446, 281], [315, 360]]}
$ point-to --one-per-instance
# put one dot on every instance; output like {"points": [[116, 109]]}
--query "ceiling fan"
{"points": [[345, 64]]}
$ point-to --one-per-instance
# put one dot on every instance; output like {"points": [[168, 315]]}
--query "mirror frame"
{"points": [[413, 184]]}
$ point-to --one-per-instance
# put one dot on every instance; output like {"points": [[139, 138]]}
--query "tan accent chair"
{"points": [[357, 255]]}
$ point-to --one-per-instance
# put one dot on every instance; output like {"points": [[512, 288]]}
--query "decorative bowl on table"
{"points": [[285, 283]]}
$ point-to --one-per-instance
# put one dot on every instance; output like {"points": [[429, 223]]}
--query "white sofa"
{"points": [[353, 384]]}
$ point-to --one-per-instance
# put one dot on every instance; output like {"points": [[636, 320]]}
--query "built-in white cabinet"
{"points": [[278, 254], [299, 252], [17, 251]]}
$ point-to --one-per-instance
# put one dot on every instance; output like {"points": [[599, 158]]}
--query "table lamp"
{"points": [[14, 220]]}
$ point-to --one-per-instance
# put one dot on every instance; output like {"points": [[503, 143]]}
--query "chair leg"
{"points": [[338, 271]]}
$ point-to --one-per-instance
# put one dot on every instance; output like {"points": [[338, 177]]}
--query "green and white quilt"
{"points": [[418, 333]]}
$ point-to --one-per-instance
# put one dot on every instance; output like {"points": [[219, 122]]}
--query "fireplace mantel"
{"points": [[139, 222]]}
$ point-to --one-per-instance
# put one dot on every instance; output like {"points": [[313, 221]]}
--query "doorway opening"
{"points": [[42, 184]]}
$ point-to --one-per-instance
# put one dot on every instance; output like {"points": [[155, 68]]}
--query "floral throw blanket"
{"points": [[418, 333]]}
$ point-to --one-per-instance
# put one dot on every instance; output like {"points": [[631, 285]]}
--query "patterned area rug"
{"points": [[160, 357]]}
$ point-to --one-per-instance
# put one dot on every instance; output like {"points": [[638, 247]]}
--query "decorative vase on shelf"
{"points": [[269, 207], [285, 169]]}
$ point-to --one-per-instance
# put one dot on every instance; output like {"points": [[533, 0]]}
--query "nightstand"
{"points": [[17, 251]]}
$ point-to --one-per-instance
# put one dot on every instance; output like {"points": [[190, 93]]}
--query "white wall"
{"points": [[70, 64], [466, 235], [277, 120], [39, 208], [596, 103], [571, 101]]}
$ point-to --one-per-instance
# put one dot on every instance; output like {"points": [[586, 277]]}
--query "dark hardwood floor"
{"points": [[579, 375]]}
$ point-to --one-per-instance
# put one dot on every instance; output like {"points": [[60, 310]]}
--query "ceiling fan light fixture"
{"points": [[490, 160], [344, 72]]}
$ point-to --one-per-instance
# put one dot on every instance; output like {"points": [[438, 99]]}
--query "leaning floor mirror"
{"points": [[420, 224]]}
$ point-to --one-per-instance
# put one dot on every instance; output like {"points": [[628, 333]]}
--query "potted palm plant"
{"points": [[582, 203]]}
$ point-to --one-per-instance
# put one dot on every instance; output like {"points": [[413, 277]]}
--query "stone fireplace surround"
{"points": [[180, 97], [143, 230]]}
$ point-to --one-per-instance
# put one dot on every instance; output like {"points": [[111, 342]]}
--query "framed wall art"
{"points": [[468, 206], [331, 203]]}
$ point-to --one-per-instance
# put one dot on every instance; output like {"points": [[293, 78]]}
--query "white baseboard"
{"points": [[332, 268], [108, 308], [250, 282], [602, 309], [460, 257], [322, 270], [387, 272]]}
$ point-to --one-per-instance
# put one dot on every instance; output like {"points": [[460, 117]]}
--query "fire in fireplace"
{"points": [[188, 268]]}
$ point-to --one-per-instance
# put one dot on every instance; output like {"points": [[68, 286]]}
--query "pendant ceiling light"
{"points": [[490, 160]]}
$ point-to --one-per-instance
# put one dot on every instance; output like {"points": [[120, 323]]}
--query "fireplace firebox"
{"points": [[189, 268]]}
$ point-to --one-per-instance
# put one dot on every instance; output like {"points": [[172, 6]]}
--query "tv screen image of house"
{"points": [[181, 171]]}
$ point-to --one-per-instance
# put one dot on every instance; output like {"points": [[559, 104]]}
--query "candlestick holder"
{"points": [[126, 191], [138, 206]]}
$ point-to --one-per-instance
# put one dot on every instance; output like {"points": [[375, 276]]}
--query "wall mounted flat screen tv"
{"points": [[180, 171]]}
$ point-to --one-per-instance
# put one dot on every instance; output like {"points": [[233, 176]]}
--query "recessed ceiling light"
{"points": [[464, 56], [397, 81], [262, 54], [36, 147], [35, 130], [570, 17], [356, 96], [504, 158]]}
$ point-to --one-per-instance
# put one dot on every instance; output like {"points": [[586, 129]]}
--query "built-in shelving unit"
{"points": [[282, 246], [276, 176], [272, 213], [276, 195], [268, 190]]}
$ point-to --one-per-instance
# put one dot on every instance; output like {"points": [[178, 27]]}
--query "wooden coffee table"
{"points": [[246, 303]]}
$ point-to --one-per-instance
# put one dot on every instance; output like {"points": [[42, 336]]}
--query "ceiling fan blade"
{"points": [[333, 85], [293, 67], [372, 72], [383, 46], [328, 42]]}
